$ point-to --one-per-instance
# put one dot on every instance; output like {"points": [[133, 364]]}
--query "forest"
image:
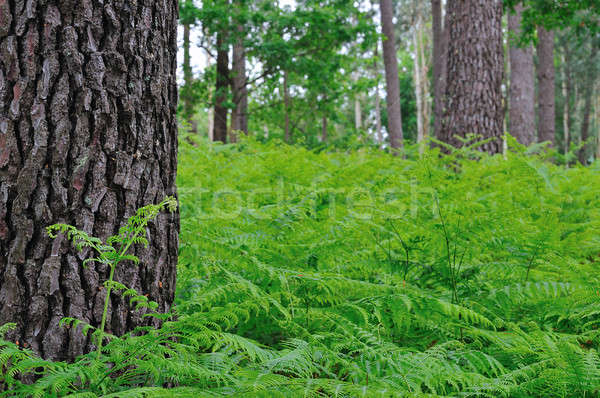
{"points": [[299, 198]]}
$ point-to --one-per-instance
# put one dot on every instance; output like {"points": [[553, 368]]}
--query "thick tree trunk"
{"points": [[587, 109], [440, 46], [287, 107], [88, 134], [222, 83], [545, 75], [522, 85], [475, 69], [391, 75], [239, 81], [188, 79]]}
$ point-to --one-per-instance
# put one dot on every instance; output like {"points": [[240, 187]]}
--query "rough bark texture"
{"points": [[473, 101], [186, 93], [584, 153], [440, 46], [87, 135], [522, 84], [545, 75], [222, 84], [239, 81], [391, 75]]}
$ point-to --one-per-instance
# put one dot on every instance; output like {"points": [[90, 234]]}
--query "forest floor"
{"points": [[360, 274]]}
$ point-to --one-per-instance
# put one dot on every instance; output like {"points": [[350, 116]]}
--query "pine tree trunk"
{"points": [[378, 129], [475, 69], [545, 75], [418, 84], [220, 109], [287, 108], [440, 46], [566, 110], [522, 85], [240, 91], [587, 110], [188, 78], [391, 75], [88, 134]]}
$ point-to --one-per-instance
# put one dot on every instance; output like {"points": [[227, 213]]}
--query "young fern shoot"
{"points": [[115, 250]]}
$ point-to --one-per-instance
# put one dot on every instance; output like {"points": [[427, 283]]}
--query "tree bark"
{"points": [[220, 109], [324, 128], [391, 75], [418, 87], [440, 46], [378, 129], [587, 110], [475, 69], [545, 75], [287, 107], [522, 84], [88, 134], [188, 79], [239, 80]]}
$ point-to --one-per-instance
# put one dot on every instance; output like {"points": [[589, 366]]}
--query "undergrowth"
{"points": [[361, 274]]}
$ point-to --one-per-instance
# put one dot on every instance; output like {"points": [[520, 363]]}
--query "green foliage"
{"points": [[361, 274]]}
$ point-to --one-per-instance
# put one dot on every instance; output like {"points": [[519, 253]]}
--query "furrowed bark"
{"points": [[473, 101], [88, 134]]}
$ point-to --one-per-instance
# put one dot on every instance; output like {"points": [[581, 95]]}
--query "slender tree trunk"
{"points": [[287, 107], [545, 75], [474, 102], [378, 129], [391, 75], [357, 113], [587, 110], [566, 114], [522, 85], [597, 126], [221, 111], [240, 90], [88, 134], [418, 83], [440, 45], [211, 109], [426, 107], [188, 79], [324, 128]]}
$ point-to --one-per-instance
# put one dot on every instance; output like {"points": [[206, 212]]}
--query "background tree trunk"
{"points": [[324, 128], [188, 79], [440, 46], [287, 108], [240, 91], [222, 83], [587, 109], [88, 134], [545, 75], [522, 84], [475, 70], [418, 80], [378, 129], [391, 75]]}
